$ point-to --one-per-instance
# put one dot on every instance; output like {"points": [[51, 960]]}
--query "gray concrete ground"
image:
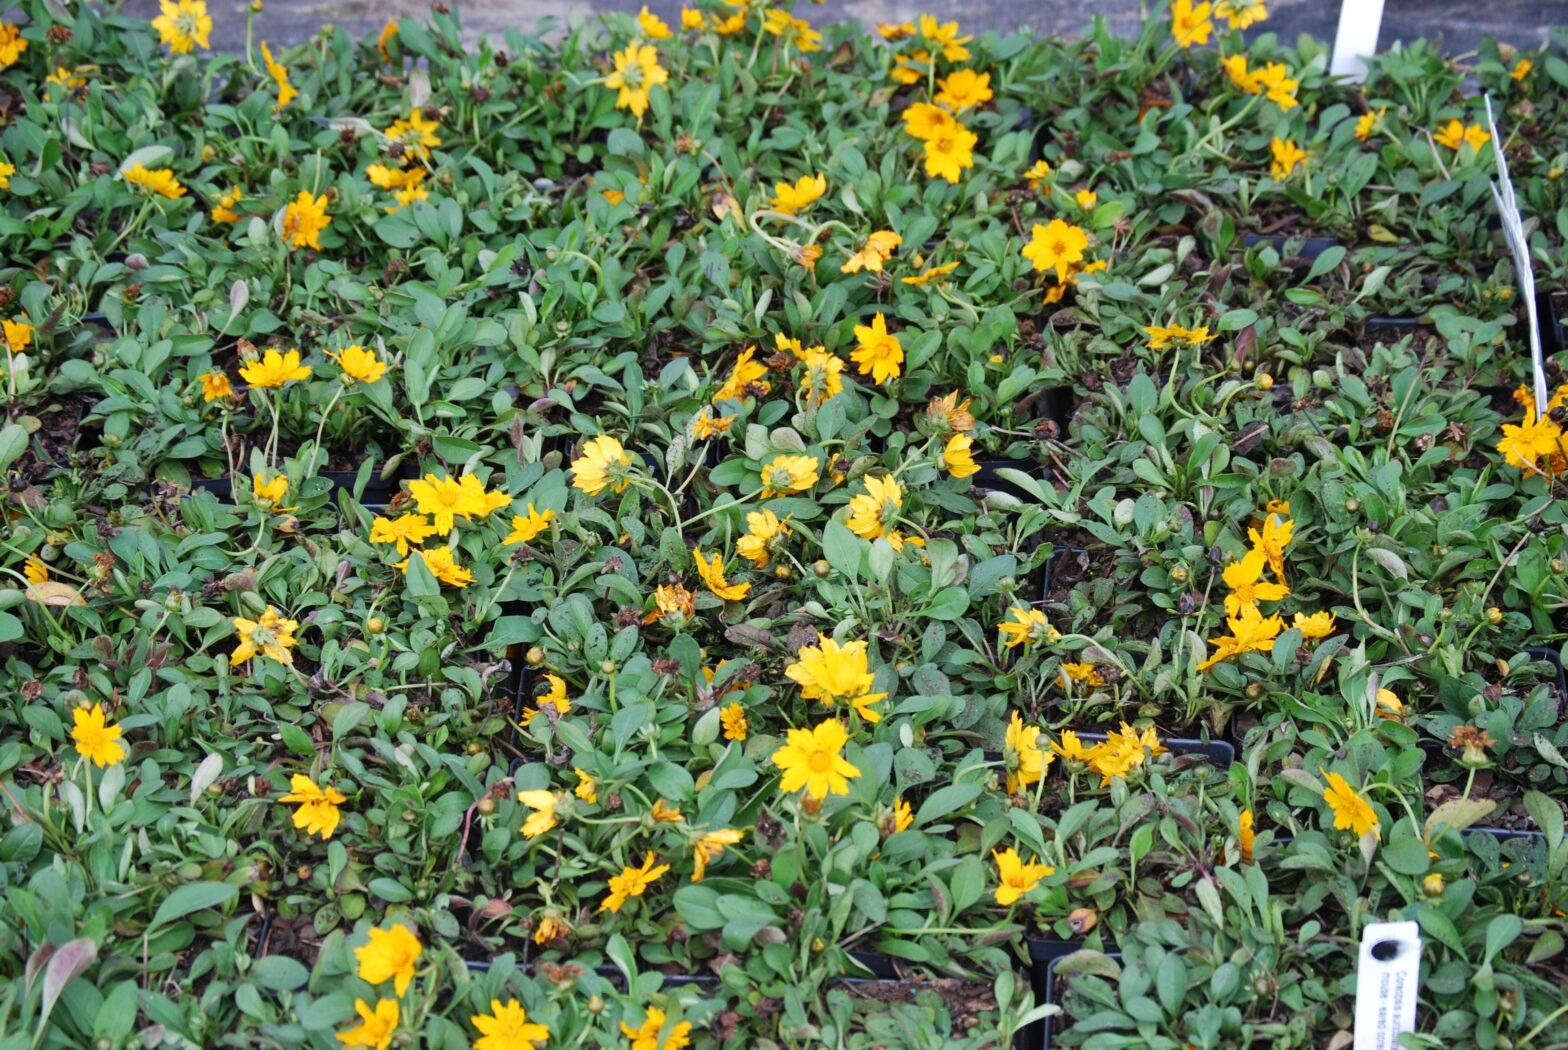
{"points": [[1461, 23]]}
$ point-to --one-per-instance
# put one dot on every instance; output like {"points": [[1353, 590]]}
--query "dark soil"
{"points": [[295, 938], [55, 438], [967, 1000], [1509, 815]]}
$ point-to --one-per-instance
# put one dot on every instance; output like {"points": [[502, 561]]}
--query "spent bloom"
{"points": [[415, 135], [877, 250], [711, 569], [543, 817], [1026, 762], [1027, 625], [708, 848], [280, 76]]}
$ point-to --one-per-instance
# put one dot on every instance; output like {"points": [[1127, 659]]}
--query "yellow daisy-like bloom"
{"points": [[746, 377], [1521, 69], [1451, 135], [733, 718], [896, 30], [411, 191], [1026, 762], [224, 211], [506, 1026], [389, 956], [1081, 672], [524, 529], [709, 424], [1123, 751], [792, 200], [12, 44], [280, 76], [7, 169], [903, 816], [877, 250], [690, 19], [161, 181], [444, 499], [408, 530], [388, 31], [1162, 336], [931, 274], [956, 457], [1352, 812], [1477, 136], [964, 88], [949, 152], [731, 25], [664, 813], [1246, 589], [543, 804], [1016, 878], [273, 369], [1316, 625], [556, 698], [416, 135], [653, 27], [35, 570], [646, 1037], [94, 739], [1287, 157], [924, 121], [712, 573], [268, 494], [1026, 625], [709, 847], [1235, 67], [603, 463], [587, 788], [1241, 14], [17, 333], [1037, 175], [872, 513], [359, 365], [829, 672], [1389, 705], [878, 354], [1245, 836], [183, 25], [318, 806], [792, 30], [1190, 24], [1525, 443], [637, 72], [1275, 82], [821, 375], [1277, 533], [1056, 247], [632, 882], [1250, 633], [271, 635], [1086, 199], [442, 564], [1367, 122], [376, 1029], [387, 178], [480, 502], [764, 531], [787, 475], [944, 37], [811, 759], [1071, 748], [303, 220]]}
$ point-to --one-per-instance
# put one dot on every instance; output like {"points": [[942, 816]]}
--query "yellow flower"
{"points": [[389, 956], [811, 760], [442, 564], [731, 25], [652, 26], [672, 602], [806, 256], [410, 529], [1352, 812], [1521, 69], [274, 369], [1523, 444], [1057, 246], [787, 475], [664, 813], [1241, 14], [708, 848], [903, 816], [949, 151], [764, 531], [556, 698], [647, 1036], [1250, 633], [878, 352], [792, 30], [923, 120], [35, 570], [1246, 836], [709, 424], [507, 1027], [1071, 748], [1367, 122], [637, 72], [318, 807], [791, 200], [1272, 541], [224, 211], [964, 88], [587, 788], [1026, 763], [272, 636], [895, 31], [1037, 175], [376, 1028], [359, 365], [690, 19], [873, 512], [1287, 155], [543, 804], [631, 882], [1190, 25], [303, 220], [280, 74], [1389, 705], [388, 31], [1162, 336], [416, 135], [603, 463], [1244, 580], [746, 377], [712, 574], [733, 719], [1027, 625], [183, 25], [387, 178], [444, 498], [1274, 81], [524, 529], [268, 494], [1123, 751], [876, 251], [821, 375], [1236, 68], [1477, 136], [162, 181], [12, 44], [65, 78], [95, 739], [550, 927], [1316, 625], [828, 672], [931, 274], [18, 334], [956, 457], [944, 35], [1014, 877], [7, 169], [1451, 135], [1081, 672], [412, 191]]}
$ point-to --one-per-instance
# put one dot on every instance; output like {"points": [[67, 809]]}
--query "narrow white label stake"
{"points": [[1356, 41], [1387, 980]]}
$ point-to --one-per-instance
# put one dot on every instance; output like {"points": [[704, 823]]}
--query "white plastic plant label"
{"points": [[1356, 40], [1387, 980]]}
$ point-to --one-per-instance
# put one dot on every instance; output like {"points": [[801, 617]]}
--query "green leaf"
{"points": [[1406, 854], [842, 548], [191, 898], [946, 801]]}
